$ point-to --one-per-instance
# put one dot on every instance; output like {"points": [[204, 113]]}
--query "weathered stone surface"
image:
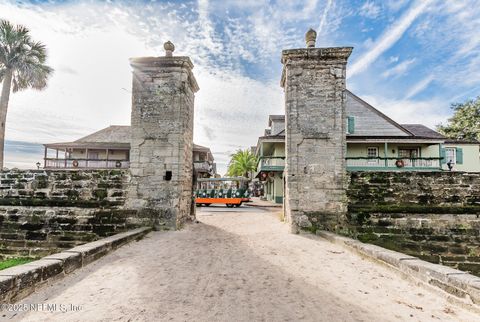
{"points": [[92, 251], [464, 286], [62, 188], [402, 188], [6, 285], [68, 213], [50, 268], [314, 83], [25, 277], [71, 261], [384, 211], [20, 281], [162, 139]]}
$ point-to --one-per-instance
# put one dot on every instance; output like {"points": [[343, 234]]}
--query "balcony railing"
{"points": [[53, 163], [273, 163], [393, 163], [202, 166]]}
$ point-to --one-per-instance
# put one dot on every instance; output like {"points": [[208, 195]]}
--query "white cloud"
{"points": [[234, 109], [389, 37], [448, 37], [396, 5], [399, 69], [370, 10], [393, 59], [90, 42], [89, 45], [323, 19], [420, 86]]}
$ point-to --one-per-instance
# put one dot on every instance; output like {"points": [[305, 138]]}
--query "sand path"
{"points": [[237, 265]]}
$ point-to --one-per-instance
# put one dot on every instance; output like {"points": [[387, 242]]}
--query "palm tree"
{"points": [[241, 163], [22, 66]]}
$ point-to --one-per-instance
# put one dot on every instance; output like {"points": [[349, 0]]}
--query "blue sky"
{"points": [[411, 60]]}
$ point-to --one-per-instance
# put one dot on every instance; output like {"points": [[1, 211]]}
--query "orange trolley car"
{"points": [[218, 191]]}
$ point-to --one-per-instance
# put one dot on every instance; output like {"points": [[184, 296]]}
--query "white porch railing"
{"points": [[53, 163], [272, 162], [394, 163]]}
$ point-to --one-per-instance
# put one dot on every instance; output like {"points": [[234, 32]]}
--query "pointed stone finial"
{"points": [[169, 48], [310, 38]]}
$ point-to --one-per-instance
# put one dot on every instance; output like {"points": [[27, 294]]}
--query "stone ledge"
{"points": [[464, 287], [20, 281]]}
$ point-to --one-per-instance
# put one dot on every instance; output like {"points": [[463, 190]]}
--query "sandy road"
{"points": [[237, 265]]}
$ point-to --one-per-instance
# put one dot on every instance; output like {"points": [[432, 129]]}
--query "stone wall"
{"points": [[430, 215], [314, 83], [42, 212], [162, 138], [85, 189]]}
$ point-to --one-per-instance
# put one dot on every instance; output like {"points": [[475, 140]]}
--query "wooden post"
{"points": [[45, 158], [386, 154], [86, 157], [65, 157], [106, 162]]}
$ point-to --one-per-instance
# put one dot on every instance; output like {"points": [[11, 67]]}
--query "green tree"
{"points": [[242, 162], [465, 122], [22, 66]]}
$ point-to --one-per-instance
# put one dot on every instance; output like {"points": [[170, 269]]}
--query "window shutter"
{"points": [[459, 154], [443, 155], [351, 125]]}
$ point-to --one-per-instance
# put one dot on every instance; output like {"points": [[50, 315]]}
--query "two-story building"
{"points": [[109, 148], [374, 142]]}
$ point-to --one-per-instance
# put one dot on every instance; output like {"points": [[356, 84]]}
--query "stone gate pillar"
{"points": [[314, 84], [161, 150]]}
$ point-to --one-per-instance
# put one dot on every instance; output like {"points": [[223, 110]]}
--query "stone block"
{"points": [[49, 268], [71, 261], [428, 270], [7, 284], [91, 251], [25, 279]]}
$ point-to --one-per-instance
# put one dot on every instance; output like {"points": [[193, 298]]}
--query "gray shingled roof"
{"points": [[111, 134], [422, 131], [114, 136]]}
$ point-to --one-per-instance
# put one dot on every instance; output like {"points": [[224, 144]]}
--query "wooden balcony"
{"points": [[271, 163], [268, 164], [393, 164], [203, 166], [205, 169], [54, 163]]}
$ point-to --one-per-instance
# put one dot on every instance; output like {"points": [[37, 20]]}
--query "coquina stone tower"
{"points": [[162, 138], [314, 84]]}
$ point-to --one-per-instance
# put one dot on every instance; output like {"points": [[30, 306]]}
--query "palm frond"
{"points": [[26, 58], [241, 163]]}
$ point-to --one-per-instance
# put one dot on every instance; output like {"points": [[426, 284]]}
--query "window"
{"points": [[450, 155], [372, 152]]}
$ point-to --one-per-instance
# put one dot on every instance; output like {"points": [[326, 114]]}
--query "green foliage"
{"points": [[465, 122], [14, 262], [23, 57], [242, 162]]}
